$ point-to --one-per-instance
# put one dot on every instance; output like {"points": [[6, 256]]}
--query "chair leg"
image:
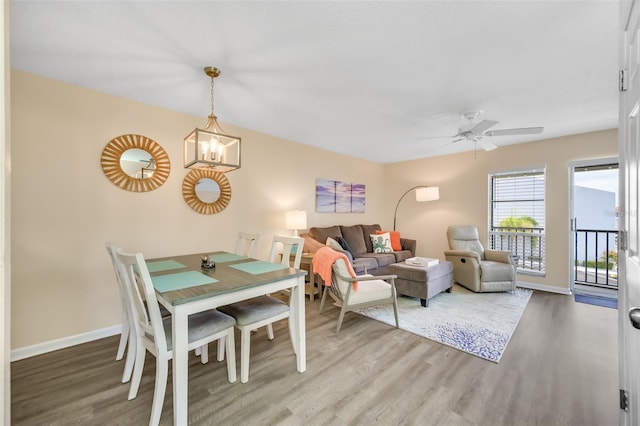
{"points": [[324, 297], [204, 354], [221, 343], [395, 312], [270, 331], [245, 350], [124, 337], [340, 318], [162, 369], [137, 370], [198, 351], [131, 357], [231, 354]]}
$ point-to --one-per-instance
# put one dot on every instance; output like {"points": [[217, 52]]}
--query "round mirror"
{"points": [[135, 163], [206, 191]]}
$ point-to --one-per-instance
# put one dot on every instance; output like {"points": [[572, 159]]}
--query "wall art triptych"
{"points": [[333, 196]]}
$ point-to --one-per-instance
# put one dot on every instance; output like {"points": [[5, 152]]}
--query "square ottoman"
{"points": [[423, 282]]}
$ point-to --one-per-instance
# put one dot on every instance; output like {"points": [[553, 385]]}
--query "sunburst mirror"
{"points": [[135, 163], [206, 191]]}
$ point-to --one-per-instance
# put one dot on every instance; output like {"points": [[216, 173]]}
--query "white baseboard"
{"points": [[542, 287], [65, 342]]}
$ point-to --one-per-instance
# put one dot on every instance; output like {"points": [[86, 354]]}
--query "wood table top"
{"points": [[229, 279]]}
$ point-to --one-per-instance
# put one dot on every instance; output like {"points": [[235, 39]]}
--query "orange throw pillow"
{"points": [[395, 239]]}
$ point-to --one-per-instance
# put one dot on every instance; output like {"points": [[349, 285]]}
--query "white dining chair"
{"points": [[153, 333], [127, 333], [264, 310], [247, 244]]}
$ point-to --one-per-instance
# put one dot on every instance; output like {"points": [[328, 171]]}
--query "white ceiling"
{"points": [[363, 78]]}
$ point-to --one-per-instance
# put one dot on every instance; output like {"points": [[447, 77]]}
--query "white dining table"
{"points": [[236, 278]]}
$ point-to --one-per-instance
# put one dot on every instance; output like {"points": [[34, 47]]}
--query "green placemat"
{"points": [[226, 257], [164, 265], [181, 280], [258, 267]]}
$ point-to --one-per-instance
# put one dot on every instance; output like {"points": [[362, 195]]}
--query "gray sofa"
{"points": [[362, 257]]}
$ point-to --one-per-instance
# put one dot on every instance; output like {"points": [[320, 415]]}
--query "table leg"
{"points": [[300, 332], [180, 368]]}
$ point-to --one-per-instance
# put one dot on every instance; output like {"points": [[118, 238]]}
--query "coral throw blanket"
{"points": [[324, 259]]}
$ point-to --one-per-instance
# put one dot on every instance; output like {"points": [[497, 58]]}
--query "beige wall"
{"points": [[463, 182], [64, 209]]}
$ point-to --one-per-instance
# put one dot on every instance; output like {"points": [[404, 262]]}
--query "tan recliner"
{"points": [[474, 267]]}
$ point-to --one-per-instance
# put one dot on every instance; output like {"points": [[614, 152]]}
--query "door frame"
{"points": [[595, 291], [5, 222]]}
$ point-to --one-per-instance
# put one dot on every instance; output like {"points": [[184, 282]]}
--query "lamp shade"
{"points": [[427, 193], [423, 193], [296, 219]]}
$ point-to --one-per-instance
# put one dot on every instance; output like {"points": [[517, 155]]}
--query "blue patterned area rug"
{"points": [[477, 323]]}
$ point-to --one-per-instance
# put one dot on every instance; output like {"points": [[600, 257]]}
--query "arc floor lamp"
{"points": [[423, 193]]}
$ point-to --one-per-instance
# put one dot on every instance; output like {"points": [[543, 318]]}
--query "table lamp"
{"points": [[295, 220]]}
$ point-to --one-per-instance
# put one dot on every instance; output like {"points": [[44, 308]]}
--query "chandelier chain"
{"points": [[211, 95]]}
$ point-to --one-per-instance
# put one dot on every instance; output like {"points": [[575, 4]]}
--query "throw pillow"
{"points": [[381, 243], [344, 244], [395, 239], [333, 244], [311, 245]]}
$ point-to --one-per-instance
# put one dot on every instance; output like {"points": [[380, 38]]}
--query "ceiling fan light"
{"points": [[488, 146], [471, 115]]}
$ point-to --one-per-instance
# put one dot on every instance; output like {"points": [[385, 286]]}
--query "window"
{"points": [[517, 217]]}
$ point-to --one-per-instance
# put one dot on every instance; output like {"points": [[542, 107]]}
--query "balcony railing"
{"points": [[596, 255], [526, 244]]}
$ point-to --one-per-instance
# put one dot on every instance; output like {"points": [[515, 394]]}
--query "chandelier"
{"points": [[210, 147]]}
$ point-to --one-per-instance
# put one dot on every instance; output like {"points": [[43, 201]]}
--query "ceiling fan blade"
{"points": [[487, 146], [457, 140], [482, 126], [520, 131], [436, 137]]}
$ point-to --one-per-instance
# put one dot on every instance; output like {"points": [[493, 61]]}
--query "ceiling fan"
{"points": [[477, 131]]}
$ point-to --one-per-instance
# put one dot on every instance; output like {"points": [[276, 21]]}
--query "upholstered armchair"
{"points": [[474, 267], [351, 291]]}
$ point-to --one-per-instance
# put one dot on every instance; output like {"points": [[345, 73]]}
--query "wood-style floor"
{"points": [[560, 368]]}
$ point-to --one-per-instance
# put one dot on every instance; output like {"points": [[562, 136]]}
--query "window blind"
{"points": [[518, 216]]}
